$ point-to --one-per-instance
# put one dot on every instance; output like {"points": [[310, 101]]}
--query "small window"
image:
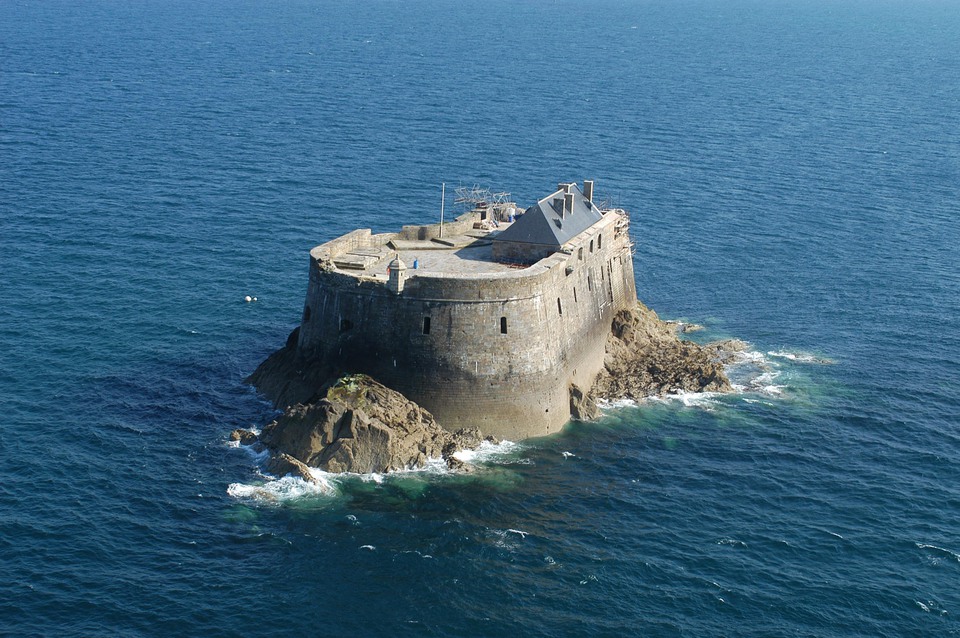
{"points": [[580, 253], [591, 245], [574, 294], [306, 314], [589, 283], [345, 325], [503, 325], [599, 242], [559, 307], [426, 325]]}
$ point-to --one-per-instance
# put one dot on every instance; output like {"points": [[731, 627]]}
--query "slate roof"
{"points": [[544, 224]]}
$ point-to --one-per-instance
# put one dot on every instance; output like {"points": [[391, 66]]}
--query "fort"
{"points": [[487, 321]]}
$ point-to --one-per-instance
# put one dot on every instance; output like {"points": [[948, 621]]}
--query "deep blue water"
{"points": [[793, 173]]}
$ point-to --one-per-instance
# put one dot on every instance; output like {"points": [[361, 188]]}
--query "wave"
{"points": [[491, 453], [279, 490], [801, 357], [940, 552], [272, 489], [931, 607]]}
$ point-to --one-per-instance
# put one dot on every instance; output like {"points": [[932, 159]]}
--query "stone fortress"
{"points": [[487, 321]]}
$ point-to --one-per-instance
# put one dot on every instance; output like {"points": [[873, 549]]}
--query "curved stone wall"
{"points": [[494, 351]]}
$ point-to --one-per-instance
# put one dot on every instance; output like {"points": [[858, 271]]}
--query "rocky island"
{"points": [[416, 344]]}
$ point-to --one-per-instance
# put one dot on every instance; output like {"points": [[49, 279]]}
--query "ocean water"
{"points": [[793, 173]]}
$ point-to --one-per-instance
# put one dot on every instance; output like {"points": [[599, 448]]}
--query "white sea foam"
{"points": [[604, 404], [705, 400], [949, 553], [489, 452], [731, 542], [931, 607], [508, 538], [280, 489], [800, 357]]}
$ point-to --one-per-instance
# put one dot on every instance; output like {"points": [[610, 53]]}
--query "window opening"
{"points": [[503, 325], [345, 325], [426, 325], [559, 307]]}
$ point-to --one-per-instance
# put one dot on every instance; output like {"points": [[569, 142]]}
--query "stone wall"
{"points": [[494, 351]]}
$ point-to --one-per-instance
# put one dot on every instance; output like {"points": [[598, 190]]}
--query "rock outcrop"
{"points": [[357, 425], [285, 379], [644, 357]]}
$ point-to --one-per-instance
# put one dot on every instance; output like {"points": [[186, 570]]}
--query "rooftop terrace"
{"points": [[460, 255]]}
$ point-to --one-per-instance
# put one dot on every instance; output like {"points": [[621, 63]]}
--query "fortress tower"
{"points": [[489, 324]]}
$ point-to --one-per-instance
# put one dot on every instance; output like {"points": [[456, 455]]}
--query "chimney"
{"points": [[588, 190], [567, 203], [564, 187]]}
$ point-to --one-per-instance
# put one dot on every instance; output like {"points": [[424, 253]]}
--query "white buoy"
{"points": [[248, 298]]}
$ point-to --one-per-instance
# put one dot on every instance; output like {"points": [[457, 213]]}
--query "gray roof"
{"points": [[544, 224]]}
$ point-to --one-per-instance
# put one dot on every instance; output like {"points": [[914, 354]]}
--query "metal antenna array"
{"points": [[470, 197]]}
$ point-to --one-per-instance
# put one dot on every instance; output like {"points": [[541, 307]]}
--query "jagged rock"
{"points": [[726, 350], [283, 464], [245, 437], [362, 426], [682, 327], [285, 379], [644, 357], [583, 407]]}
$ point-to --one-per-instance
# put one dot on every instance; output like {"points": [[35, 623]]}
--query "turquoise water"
{"points": [[793, 173]]}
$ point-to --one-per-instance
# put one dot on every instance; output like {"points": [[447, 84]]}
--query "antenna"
{"points": [[443, 196]]}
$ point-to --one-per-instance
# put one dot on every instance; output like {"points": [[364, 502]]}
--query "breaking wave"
{"points": [[272, 489]]}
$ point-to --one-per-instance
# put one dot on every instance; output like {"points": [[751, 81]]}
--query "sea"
{"points": [[792, 171]]}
